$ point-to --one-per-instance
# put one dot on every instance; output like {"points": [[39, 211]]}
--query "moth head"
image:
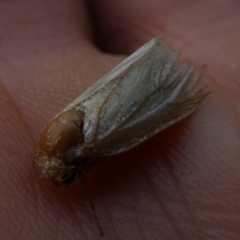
{"points": [[59, 154]]}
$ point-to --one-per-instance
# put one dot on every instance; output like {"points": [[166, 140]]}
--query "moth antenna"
{"points": [[89, 200]]}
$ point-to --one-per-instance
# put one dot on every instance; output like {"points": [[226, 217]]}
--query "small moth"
{"points": [[146, 93]]}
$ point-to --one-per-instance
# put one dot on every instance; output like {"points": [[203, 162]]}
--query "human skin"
{"points": [[182, 183]]}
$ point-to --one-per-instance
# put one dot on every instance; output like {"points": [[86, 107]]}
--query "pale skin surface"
{"points": [[181, 184]]}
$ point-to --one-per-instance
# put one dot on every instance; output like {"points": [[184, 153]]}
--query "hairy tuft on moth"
{"points": [[146, 93]]}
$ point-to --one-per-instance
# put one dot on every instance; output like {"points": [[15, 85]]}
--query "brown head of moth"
{"points": [[58, 147]]}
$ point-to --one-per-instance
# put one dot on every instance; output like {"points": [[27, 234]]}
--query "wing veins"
{"points": [[106, 99], [140, 103]]}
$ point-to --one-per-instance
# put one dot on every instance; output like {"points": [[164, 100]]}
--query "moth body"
{"points": [[146, 93]]}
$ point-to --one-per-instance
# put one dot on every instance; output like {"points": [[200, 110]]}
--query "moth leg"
{"points": [[89, 200]]}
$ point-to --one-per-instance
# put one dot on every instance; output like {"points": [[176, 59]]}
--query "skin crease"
{"points": [[181, 184]]}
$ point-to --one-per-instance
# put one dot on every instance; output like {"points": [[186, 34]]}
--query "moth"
{"points": [[146, 93]]}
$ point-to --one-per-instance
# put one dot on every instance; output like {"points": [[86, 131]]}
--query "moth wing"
{"points": [[141, 98], [113, 75]]}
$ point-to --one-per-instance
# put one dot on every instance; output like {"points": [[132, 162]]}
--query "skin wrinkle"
{"points": [[228, 92], [4, 169], [18, 214], [58, 225], [141, 231], [36, 195], [12, 230], [165, 211], [221, 87], [39, 228], [111, 221], [176, 182], [184, 200], [75, 218], [139, 225], [21, 230], [136, 217], [22, 122], [235, 80], [135, 209], [232, 102], [74, 214], [238, 133], [215, 191], [18, 112]]}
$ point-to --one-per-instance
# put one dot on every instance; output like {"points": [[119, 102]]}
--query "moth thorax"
{"points": [[61, 134]]}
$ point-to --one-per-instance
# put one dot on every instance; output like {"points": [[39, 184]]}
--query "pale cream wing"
{"points": [[113, 75], [152, 93]]}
